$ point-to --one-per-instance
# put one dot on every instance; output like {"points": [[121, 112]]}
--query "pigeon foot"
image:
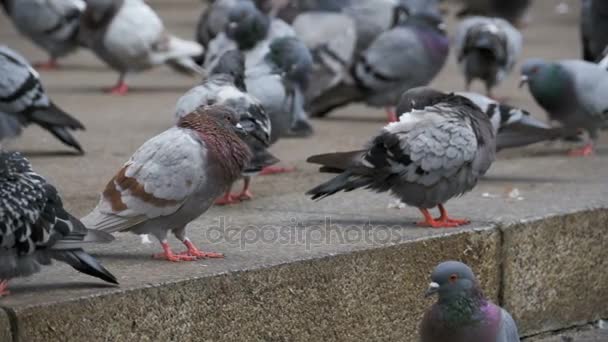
{"points": [[273, 170], [227, 199], [119, 89], [49, 65], [4, 288], [245, 195], [193, 251], [441, 222], [168, 255], [391, 115], [585, 151]]}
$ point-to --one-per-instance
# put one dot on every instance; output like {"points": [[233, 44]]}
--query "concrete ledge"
{"points": [[367, 295], [5, 326], [555, 271]]}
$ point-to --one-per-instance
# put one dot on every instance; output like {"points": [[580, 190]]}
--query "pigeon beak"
{"points": [[232, 25], [523, 81], [240, 129], [433, 288]]}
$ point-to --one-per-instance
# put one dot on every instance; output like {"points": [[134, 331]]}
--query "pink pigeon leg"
{"points": [[168, 254], [51, 64], [245, 194], [193, 251], [4, 288], [585, 151], [391, 116], [273, 170], [121, 88]]}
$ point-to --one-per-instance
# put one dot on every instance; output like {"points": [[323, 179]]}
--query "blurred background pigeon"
{"points": [[462, 313], [487, 49], [513, 11], [130, 37], [35, 228], [573, 93], [594, 26], [23, 102], [50, 24]]}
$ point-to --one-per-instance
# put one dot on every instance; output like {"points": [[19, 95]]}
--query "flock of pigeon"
{"points": [[267, 66]]}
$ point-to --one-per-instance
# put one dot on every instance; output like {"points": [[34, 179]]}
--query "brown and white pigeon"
{"points": [[35, 228], [130, 37], [173, 178], [426, 158]]}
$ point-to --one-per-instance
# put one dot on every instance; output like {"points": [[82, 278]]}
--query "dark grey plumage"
{"points": [[428, 157], [513, 11], [23, 97], [35, 228], [594, 25], [487, 49]]}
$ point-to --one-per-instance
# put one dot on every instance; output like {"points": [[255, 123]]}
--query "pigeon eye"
{"points": [[453, 278]]}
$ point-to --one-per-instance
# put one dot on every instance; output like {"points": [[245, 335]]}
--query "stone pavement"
{"points": [[347, 267]]}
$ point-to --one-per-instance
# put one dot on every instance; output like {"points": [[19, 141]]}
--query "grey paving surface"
{"points": [[281, 225], [586, 335]]}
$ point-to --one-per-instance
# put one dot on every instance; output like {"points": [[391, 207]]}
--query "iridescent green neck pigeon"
{"points": [[573, 92], [462, 313]]}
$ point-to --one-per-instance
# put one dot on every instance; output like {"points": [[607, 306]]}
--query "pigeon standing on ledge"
{"points": [[23, 101], [50, 24], [174, 178], [426, 158], [462, 313], [130, 37], [35, 228]]}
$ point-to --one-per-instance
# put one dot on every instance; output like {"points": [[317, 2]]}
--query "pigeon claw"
{"points": [[585, 151], [227, 199], [274, 170], [49, 65], [245, 195], [4, 288], [120, 89], [174, 257], [193, 251], [441, 222]]}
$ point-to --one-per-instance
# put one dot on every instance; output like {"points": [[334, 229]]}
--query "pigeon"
{"points": [[23, 101], [513, 127], [594, 24], [173, 178], [487, 49], [279, 82], [50, 24], [226, 86], [214, 19], [572, 92], [130, 37], [249, 30], [35, 228], [513, 11], [409, 55], [462, 313], [424, 159]]}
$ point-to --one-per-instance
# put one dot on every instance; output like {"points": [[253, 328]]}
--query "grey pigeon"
{"points": [[409, 55], [487, 49], [225, 86], [278, 82], [50, 24], [22, 97], [173, 178], [573, 93], [214, 19], [424, 159], [514, 127], [35, 228], [462, 313], [513, 11], [594, 25], [130, 37]]}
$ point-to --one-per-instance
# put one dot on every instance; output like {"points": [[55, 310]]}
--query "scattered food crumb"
{"points": [[145, 239], [396, 204], [488, 195], [515, 194]]}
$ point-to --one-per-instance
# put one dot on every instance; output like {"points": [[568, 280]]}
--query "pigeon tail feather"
{"points": [[83, 262]]}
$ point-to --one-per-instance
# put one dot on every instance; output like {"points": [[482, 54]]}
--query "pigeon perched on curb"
{"points": [[22, 97], [225, 86], [50, 24], [594, 25], [487, 49], [513, 11], [35, 228], [409, 55], [573, 92], [424, 159], [173, 178], [130, 37], [462, 313]]}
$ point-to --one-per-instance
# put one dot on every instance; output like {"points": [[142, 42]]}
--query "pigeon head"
{"points": [[292, 58], [489, 38], [452, 280], [247, 25], [206, 117], [232, 63], [548, 82], [418, 98]]}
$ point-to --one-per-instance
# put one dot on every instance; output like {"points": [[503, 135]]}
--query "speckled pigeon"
{"points": [[409, 55], [573, 92], [35, 228], [594, 25], [424, 159], [225, 86], [487, 49], [130, 37], [462, 313], [173, 178], [22, 97], [512, 10], [50, 24]]}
